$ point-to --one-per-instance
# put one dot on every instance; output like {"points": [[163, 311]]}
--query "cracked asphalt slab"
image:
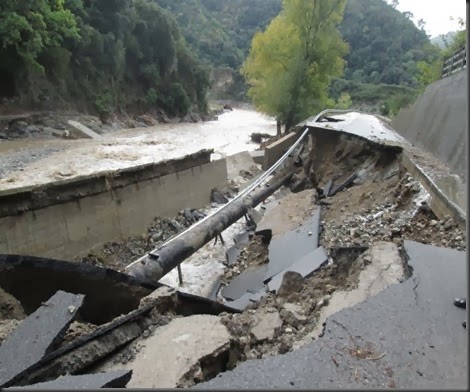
{"points": [[410, 335]]}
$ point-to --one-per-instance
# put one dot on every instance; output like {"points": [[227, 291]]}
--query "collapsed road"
{"points": [[330, 262]]}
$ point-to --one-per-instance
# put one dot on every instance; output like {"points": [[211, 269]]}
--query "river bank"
{"points": [[35, 161]]}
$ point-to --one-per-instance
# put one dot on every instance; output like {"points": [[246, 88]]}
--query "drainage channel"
{"points": [[330, 238]]}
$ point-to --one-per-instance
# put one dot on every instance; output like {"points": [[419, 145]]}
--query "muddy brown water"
{"points": [[37, 161]]}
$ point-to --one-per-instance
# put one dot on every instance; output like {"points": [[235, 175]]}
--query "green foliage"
{"points": [[385, 46], [290, 64], [394, 103], [344, 101], [99, 55], [431, 70], [152, 96]]}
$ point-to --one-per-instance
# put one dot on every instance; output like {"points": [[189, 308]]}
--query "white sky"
{"points": [[436, 13]]}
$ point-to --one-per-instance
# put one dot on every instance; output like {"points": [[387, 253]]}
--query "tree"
{"points": [[344, 101], [421, 24], [291, 63]]}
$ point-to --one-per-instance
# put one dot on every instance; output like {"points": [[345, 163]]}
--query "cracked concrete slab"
{"points": [[411, 332], [37, 335], [116, 379], [306, 266], [175, 351]]}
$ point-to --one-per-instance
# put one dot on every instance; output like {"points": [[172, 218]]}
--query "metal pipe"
{"points": [[157, 264], [135, 268]]}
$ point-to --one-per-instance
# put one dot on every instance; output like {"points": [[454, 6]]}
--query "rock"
{"points": [[163, 299], [78, 329], [267, 325], [218, 197], [18, 129], [7, 327], [10, 307], [228, 107], [188, 344], [291, 283], [292, 315]]}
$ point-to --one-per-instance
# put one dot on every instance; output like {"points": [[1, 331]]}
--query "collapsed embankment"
{"points": [[343, 219]]}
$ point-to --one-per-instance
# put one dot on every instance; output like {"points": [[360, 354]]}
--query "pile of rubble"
{"points": [[117, 255], [403, 216]]}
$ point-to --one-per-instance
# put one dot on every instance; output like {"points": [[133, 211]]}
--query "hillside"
{"points": [[385, 46], [99, 56]]}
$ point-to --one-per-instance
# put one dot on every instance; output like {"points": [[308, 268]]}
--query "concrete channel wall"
{"points": [[274, 151], [437, 121], [67, 219]]}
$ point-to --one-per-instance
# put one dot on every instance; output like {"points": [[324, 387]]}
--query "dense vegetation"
{"points": [[135, 55], [290, 65], [385, 46], [100, 55]]}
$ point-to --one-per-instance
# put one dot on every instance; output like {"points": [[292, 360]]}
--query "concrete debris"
{"points": [[116, 379], [218, 197], [162, 299], [193, 349], [117, 255], [293, 315], [36, 336], [76, 330], [10, 307], [267, 325], [291, 283]]}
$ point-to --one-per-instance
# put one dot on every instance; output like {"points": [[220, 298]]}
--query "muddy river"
{"points": [[33, 161]]}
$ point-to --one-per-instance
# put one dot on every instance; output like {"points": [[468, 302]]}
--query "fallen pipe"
{"points": [[158, 263]]}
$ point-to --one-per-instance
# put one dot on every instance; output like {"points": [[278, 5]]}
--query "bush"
{"points": [[151, 97]]}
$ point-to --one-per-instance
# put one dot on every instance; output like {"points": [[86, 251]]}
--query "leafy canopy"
{"points": [[291, 63]]}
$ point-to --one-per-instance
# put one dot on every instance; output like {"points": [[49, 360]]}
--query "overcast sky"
{"points": [[436, 13]]}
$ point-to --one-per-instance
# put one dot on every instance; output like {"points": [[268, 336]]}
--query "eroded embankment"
{"points": [[368, 206]]}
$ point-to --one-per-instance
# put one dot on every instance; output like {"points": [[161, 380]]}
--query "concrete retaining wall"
{"points": [[93, 211], [437, 122], [274, 151]]}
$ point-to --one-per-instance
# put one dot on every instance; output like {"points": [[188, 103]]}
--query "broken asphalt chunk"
{"points": [[115, 379], [306, 266], [231, 255], [250, 280], [286, 249], [37, 335]]}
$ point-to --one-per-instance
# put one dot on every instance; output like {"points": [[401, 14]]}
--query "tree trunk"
{"points": [[154, 266], [278, 125]]}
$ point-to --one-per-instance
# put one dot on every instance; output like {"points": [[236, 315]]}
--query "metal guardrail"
{"points": [[454, 63]]}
